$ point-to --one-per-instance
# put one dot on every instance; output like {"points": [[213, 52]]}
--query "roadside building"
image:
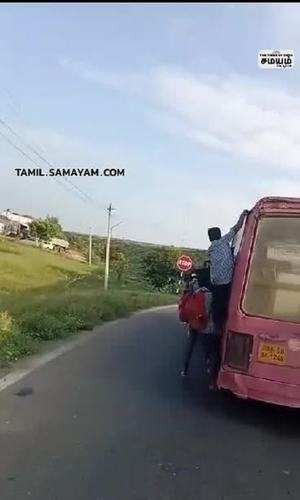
{"points": [[23, 220], [56, 244], [4, 222], [60, 244], [9, 227], [20, 224]]}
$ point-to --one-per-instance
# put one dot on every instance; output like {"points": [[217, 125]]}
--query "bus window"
{"points": [[237, 240], [273, 287]]}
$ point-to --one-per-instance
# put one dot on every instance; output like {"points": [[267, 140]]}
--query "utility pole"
{"points": [[90, 247], [109, 211]]}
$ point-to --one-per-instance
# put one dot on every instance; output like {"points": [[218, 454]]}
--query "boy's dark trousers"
{"points": [[210, 343], [191, 342], [220, 300]]}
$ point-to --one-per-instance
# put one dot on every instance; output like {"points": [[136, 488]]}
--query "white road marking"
{"points": [[42, 359], [156, 309]]}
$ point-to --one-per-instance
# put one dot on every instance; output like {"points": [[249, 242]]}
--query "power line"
{"points": [[41, 157], [116, 225], [11, 101], [23, 153], [16, 108], [20, 150]]}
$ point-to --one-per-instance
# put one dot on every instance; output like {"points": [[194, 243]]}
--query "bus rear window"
{"points": [[273, 288]]}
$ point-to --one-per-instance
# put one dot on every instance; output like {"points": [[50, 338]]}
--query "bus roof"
{"points": [[277, 205]]}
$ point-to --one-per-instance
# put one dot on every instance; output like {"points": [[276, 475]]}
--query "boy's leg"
{"points": [[189, 350], [216, 308], [205, 345], [224, 302], [215, 359]]}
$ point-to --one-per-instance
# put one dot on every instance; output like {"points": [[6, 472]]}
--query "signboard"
{"points": [[278, 59], [184, 263]]}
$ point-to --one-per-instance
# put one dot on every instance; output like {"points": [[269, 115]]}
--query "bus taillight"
{"points": [[238, 350]]}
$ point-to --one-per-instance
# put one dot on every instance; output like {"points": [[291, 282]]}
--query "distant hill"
{"points": [[135, 251]]}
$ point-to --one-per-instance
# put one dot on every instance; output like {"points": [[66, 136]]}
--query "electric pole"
{"points": [[90, 247], [109, 212]]}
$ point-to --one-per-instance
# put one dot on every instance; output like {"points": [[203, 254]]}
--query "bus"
{"points": [[261, 341]]}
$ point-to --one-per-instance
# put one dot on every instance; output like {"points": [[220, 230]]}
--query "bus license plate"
{"points": [[272, 353]]}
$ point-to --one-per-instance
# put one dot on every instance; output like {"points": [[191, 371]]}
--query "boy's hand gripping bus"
{"points": [[261, 342]]}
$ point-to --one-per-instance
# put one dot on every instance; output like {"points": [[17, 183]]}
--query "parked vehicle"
{"points": [[261, 341]]}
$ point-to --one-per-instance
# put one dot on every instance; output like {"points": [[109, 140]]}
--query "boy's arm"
{"points": [[231, 234]]}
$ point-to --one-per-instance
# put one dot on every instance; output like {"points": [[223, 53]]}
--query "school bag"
{"points": [[192, 310]]}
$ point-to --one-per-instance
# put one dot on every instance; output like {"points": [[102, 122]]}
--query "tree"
{"points": [[120, 266], [119, 262], [115, 253], [160, 270], [46, 229]]}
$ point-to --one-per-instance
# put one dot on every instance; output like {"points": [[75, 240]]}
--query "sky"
{"points": [[170, 92]]}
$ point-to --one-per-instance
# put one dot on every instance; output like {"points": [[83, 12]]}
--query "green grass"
{"points": [[26, 268], [46, 297]]}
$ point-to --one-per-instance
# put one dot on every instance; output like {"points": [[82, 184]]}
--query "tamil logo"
{"points": [[276, 59]]}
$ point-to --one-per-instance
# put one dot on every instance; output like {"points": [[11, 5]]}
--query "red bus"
{"points": [[261, 341]]}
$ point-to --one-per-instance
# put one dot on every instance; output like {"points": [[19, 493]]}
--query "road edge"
{"points": [[37, 360]]}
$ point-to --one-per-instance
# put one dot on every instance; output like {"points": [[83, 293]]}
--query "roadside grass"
{"points": [[46, 297]]}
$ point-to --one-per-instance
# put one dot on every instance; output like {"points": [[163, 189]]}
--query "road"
{"points": [[112, 420]]}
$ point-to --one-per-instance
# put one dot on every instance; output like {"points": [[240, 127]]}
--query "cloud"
{"points": [[60, 149], [132, 81], [238, 116], [250, 122], [279, 187]]}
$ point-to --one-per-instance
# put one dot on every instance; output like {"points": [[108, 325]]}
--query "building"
{"points": [[60, 243], [57, 244], [14, 224], [9, 227], [23, 220]]}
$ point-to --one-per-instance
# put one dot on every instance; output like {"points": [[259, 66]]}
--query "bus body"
{"points": [[261, 341]]}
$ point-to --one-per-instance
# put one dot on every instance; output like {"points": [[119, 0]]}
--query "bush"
{"points": [[160, 269], [43, 326], [6, 327], [13, 344], [46, 229]]}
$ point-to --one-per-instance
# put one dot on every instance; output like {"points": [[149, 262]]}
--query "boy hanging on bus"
{"points": [[221, 269]]}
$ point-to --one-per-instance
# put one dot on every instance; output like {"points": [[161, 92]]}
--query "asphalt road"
{"points": [[112, 420]]}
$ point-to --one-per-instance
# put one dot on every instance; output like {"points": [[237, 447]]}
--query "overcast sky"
{"points": [[170, 92]]}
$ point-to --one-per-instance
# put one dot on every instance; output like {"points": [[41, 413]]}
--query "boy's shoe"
{"points": [[208, 366], [213, 386]]}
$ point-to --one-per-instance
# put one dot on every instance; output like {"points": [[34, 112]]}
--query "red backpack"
{"points": [[192, 310]]}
